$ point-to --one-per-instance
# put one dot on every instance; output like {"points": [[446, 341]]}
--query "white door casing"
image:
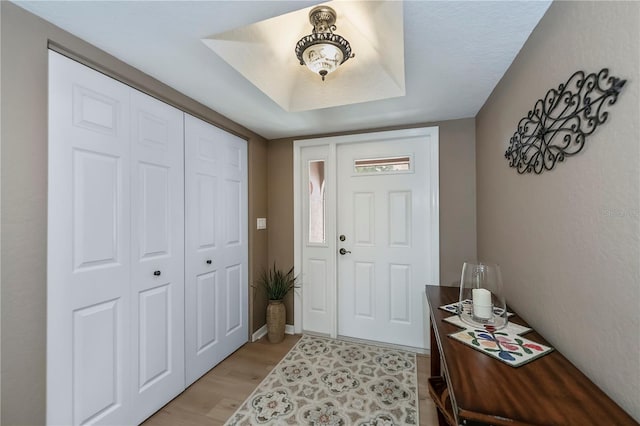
{"points": [[88, 261], [216, 252], [157, 248], [405, 204]]}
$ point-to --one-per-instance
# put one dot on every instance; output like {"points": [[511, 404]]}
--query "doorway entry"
{"points": [[366, 234]]}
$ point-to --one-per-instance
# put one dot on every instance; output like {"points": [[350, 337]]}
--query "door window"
{"points": [[317, 202]]}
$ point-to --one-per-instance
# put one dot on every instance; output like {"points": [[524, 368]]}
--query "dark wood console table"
{"points": [[471, 388]]}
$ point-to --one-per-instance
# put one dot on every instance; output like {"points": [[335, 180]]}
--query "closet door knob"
{"points": [[208, 261], [156, 273]]}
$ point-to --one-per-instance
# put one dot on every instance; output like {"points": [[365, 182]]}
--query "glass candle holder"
{"points": [[482, 301]]}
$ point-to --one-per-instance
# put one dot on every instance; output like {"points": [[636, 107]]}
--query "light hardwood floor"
{"points": [[216, 395]]}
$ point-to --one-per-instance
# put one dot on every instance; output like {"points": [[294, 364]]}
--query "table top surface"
{"points": [[547, 391]]}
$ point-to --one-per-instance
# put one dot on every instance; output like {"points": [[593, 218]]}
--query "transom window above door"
{"points": [[402, 164]]}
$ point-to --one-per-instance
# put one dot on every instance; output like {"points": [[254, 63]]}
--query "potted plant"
{"points": [[276, 285]]}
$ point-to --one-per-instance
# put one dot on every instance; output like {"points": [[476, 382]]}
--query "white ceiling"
{"points": [[455, 53]]}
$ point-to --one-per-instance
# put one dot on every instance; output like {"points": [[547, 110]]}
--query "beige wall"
{"points": [[24, 197], [258, 243], [280, 208], [457, 198], [568, 240]]}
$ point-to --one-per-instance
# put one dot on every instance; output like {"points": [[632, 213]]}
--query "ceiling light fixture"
{"points": [[322, 51]]}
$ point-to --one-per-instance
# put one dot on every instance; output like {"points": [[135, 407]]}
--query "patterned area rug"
{"points": [[332, 382]]}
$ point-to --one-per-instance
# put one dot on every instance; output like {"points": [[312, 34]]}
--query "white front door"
{"points": [[380, 206], [384, 240], [216, 252]]}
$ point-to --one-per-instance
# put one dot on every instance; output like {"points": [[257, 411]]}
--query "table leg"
{"points": [[435, 353], [435, 369]]}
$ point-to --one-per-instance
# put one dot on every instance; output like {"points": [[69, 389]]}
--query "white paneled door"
{"points": [[157, 248], [115, 285], [89, 263], [216, 246], [366, 235], [384, 243]]}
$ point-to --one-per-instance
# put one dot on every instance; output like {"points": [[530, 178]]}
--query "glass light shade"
{"points": [[482, 301], [322, 58]]}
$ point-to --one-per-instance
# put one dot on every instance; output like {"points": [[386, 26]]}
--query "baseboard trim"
{"points": [[262, 331], [259, 333]]}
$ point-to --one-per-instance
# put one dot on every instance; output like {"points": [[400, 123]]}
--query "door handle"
{"points": [[156, 273], [344, 251], [208, 261]]}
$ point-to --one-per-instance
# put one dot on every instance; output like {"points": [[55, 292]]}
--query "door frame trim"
{"points": [[332, 141]]}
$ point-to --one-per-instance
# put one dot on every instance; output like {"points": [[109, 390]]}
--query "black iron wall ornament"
{"points": [[558, 125]]}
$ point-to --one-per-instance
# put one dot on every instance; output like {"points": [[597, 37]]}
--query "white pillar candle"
{"points": [[482, 307]]}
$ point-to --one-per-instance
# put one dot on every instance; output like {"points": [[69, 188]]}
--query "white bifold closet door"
{"points": [[216, 251], [115, 285], [88, 260], [157, 251]]}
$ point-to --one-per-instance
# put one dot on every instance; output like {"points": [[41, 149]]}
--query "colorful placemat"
{"points": [[506, 345], [502, 345]]}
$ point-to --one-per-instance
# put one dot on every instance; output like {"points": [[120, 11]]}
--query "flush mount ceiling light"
{"points": [[255, 51], [322, 51]]}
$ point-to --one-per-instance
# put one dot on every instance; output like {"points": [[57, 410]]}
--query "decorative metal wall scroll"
{"points": [[558, 125]]}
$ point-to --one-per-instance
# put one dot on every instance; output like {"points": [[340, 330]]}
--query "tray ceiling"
{"points": [[263, 53]]}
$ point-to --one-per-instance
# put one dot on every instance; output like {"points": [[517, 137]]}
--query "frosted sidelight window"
{"points": [[383, 165], [316, 202]]}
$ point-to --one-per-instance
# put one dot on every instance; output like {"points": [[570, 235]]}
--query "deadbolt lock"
{"points": [[342, 238]]}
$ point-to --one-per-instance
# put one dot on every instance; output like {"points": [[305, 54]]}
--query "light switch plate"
{"points": [[261, 223]]}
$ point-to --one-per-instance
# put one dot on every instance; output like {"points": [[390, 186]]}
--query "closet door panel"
{"points": [[234, 163], [207, 289], [233, 216], [157, 242], [88, 260], [155, 335], [95, 200], [94, 329], [216, 246], [206, 204], [155, 211], [234, 302], [203, 253]]}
